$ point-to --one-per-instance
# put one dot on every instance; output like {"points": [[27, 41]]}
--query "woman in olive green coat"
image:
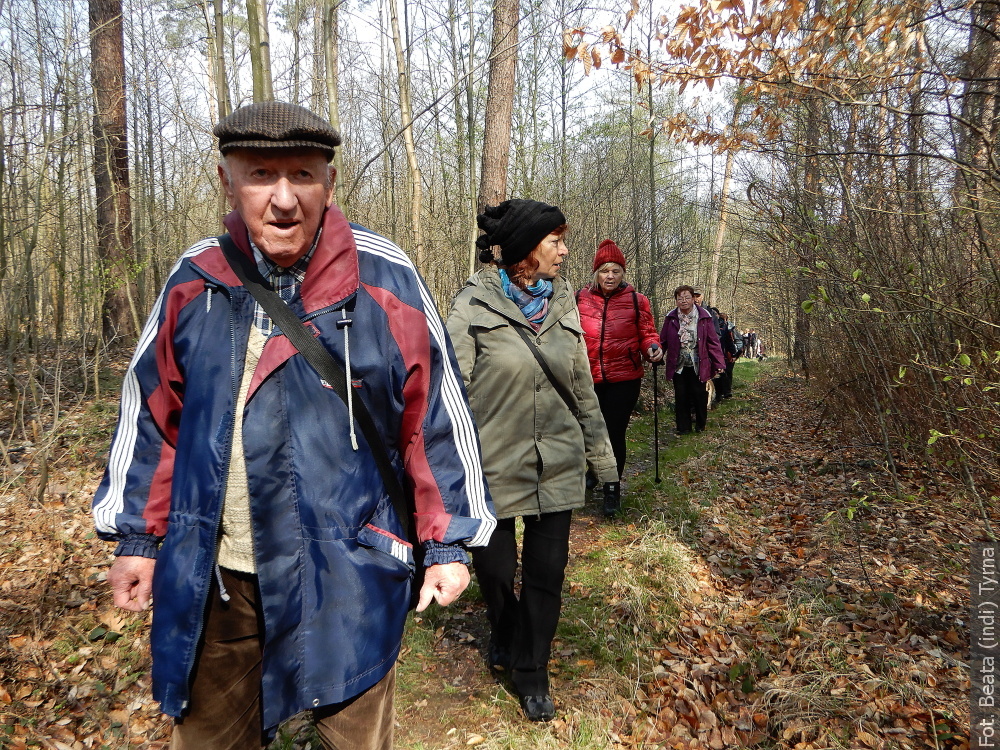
{"points": [[539, 431]]}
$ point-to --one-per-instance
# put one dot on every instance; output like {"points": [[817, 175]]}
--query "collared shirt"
{"points": [[285, 281]]}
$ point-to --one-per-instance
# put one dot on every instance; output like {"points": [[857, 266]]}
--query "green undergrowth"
{"points": [[625, 586]]}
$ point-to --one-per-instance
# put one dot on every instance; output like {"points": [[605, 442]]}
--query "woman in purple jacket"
{"points": [[694, 356]]}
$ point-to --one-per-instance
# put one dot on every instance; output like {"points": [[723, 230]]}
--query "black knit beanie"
{"points": [[517, 226]]}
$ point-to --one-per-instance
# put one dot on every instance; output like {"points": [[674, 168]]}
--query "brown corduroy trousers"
{"points": [[225, 691]]}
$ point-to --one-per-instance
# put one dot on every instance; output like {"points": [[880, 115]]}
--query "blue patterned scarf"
{"points": [[532, 300]]}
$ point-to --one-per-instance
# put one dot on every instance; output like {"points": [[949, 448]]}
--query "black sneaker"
{"points": [[538, 707], [612, 498], [498, 658]]}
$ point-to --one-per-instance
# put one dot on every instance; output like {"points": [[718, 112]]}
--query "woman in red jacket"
{"points": [[620, 333]]}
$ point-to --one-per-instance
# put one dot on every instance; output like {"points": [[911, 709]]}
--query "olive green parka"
{"points": [[535, 451]]}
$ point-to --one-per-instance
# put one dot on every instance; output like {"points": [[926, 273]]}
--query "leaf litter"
{"points": [[816, 610]]}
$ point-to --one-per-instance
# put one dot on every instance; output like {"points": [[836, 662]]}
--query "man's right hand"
{"points": [[131, 580]]}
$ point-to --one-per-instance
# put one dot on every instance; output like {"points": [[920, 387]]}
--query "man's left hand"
{"points": [[443, 583]]}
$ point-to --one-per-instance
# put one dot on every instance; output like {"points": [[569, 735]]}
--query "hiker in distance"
{"points": [[245, 491], [693, 357], [620, 332], [517, 336]]}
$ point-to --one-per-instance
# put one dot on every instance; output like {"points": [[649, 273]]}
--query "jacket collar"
{"points": [[621, 289], [489, 291], [702, 313], [333, 273]]}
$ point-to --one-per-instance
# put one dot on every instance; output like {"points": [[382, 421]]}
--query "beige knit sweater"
{"points": [[236, 544]]}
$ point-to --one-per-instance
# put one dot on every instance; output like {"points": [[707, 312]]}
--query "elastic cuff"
{"points": [[138, 545], [438, 553]]}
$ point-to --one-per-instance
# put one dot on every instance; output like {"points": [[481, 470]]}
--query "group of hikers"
{"points": [[305, 450]]}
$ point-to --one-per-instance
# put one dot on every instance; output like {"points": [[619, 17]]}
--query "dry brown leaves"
{"points": [[838, 618], [808, 628], [74, 668]]}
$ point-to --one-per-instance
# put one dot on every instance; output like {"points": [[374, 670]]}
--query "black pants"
{"points": [[690, 397], [617, 402], [527, 624], [724, 383]]}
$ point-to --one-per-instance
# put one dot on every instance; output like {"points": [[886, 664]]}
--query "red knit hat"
{"points": [[609, 252]]}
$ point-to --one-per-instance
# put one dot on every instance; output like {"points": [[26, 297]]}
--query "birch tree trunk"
{"points": [[111, 176], [499, 105], [260, 50], [720, 233], [331, 51], [406, 112], [471, 139], [218, 85]]}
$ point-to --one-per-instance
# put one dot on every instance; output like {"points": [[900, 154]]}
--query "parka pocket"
{"points": [[374, 538], [571, 323]]}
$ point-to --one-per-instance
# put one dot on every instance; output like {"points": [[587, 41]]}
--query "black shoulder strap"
{"points": [[561, 389], [324, 364], [635, 301]]}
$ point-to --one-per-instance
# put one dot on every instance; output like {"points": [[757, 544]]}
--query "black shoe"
{"points": [[498, 658], [598, 494], [612, 498], [538, 707]]}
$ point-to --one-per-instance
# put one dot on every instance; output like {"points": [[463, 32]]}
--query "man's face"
{"points": [[697, 298], [281, 195]]}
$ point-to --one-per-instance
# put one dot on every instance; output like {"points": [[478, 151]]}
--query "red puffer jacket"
{"points": [[618, 330]]}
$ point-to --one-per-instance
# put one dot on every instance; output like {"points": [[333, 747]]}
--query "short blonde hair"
{"points": [[604, 267]]}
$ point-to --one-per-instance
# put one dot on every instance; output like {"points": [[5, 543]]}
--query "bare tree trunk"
{"points": [[217, 30], [810, 200], [720, 232], [651, 175], [331, 49], [3, 198], [111, 177], [260, 50], [406, 113], [471, 139], [295, 24], [462, 158], [317, 83], [499, 105]]}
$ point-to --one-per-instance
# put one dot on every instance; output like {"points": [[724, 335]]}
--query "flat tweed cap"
{"points": [[268, 125]]}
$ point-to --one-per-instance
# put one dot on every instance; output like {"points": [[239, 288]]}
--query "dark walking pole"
{"points": [[656, 424]]}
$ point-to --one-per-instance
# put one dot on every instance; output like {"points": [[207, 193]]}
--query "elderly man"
{"points": [[242, 498]]}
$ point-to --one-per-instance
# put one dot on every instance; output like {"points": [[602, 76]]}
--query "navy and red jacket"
{"points": [[618, 328], [333, 565]]}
